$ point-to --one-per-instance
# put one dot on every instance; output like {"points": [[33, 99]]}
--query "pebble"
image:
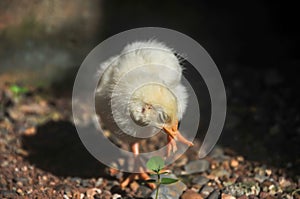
{"points": [[239, 189], [283, 182], [243, 197], [116, 196], [206, 190], [20, 192], [227, 196], [217, 152], [144, 191], [190, 194], [134, 186], [65, 196], [260, 178], [85, 183], [253, 197], [106, 195], [220, 172], [214, 195], [234, 163], [90, 193], [196, 166], [200, 180], [99, 182]]}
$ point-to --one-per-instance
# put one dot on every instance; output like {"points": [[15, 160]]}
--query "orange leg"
{"points": [[142, 175], [172, 146]]}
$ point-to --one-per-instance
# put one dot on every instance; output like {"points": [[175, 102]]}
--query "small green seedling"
{"points": [[18, 90], [156, 164]]}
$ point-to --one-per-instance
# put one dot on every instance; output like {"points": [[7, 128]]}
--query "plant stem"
{"points": [[158, 185]]}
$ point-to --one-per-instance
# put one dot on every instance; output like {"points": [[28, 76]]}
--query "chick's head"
{"points": [[155, 105]]}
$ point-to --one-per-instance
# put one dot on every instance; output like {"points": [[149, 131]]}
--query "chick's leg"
{"points": [[135, 176], [172, 146]]}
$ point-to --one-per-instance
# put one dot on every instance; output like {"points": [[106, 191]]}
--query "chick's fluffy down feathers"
{"points": [[139, 63]]}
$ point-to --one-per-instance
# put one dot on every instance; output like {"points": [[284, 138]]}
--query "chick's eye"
{"points": [[163, 117]]}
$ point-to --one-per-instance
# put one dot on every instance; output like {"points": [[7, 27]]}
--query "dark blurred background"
{"points": [[254, 44]]}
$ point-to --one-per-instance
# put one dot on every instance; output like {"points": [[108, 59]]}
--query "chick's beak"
{"points": [[172, 130]]}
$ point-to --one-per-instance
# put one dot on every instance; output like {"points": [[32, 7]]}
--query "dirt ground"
{"points": [[257, 156]]}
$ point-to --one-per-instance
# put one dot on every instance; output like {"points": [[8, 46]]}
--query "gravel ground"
{"points": [[42, 156]]}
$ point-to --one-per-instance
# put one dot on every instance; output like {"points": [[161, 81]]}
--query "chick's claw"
{"points": [[184, 140], [172, 146]]}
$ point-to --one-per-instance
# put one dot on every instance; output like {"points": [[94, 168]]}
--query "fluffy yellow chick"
{"points": [[140, 93]]}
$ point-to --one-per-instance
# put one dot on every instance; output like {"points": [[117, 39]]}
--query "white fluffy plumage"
{"points": [[143, 85]]}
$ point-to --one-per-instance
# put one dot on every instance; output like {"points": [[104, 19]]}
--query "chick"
{"points": [[140, 94]]}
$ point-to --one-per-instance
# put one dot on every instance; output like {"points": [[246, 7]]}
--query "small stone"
{"points": [[240, 158], [106, 195], [217, 152], [78, 195], [220, 172], [8, 194], [214, 195], [65, 196], [196, 166], [68, 192], [284, 183], [268, 172], [143, 191], [200, 180], [234, 163], [85, 183], [99, 182], [116, 196], [245, 188], [20, 192], [263, 194], [243, 197], [227, 196], [253, 197], [206, 190], [134, 186], [30, 131], [90, 193], [188, 194], [76, 179], [260, 178]]}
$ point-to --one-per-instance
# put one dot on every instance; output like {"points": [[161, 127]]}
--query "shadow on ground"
{"points": [[57, 148]]}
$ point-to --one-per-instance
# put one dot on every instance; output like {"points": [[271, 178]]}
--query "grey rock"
{"points": [[99, 182], [220, 172], [144, 191], [23, 180], [8, 193], [196, 166], [200, 180], [242, 188], [85, 183], [216, 152], [214, 195], [260, 178], [206, 190]]}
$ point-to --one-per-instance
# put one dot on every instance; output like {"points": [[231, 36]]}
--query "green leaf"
{"points": [[155, 163], [18, 89], [168, 180]]}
